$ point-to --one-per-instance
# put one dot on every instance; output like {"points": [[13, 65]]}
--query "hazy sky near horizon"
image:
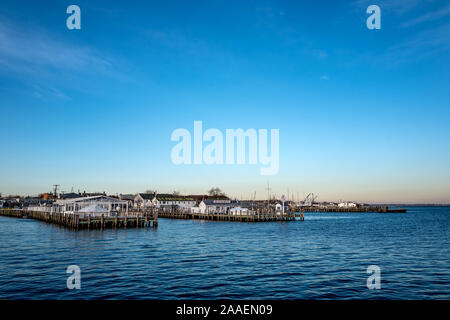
{"points": [[363, 114]]}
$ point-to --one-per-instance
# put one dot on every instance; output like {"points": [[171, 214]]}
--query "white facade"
{"points": [[237, 211], [93, 210], [186, 203], [111, 205], [163, 200], [279, 208], [347, 205], [221, 206], [201, 208], [142, 200]]}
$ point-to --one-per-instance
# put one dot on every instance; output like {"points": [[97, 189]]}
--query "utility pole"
{"points": [[268, 196], [253, 200], [55, 190]]}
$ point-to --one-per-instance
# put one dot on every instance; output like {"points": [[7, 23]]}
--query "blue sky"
{"points": [[363, 114]]}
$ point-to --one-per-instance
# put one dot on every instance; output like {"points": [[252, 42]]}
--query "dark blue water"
{"points": [[324, 257]]}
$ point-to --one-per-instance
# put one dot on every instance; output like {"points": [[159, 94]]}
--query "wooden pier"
{"points": [[378, 209], [147, 218], [248, 216], [135, 219]]}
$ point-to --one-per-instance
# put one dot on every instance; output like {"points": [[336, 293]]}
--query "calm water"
{"points": [[324, 257]]}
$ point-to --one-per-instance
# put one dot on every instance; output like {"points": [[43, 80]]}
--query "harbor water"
{"points": [[324, 257]]}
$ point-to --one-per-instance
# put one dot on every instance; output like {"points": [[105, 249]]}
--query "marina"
{"points": [[78, 211], [145, 218]]}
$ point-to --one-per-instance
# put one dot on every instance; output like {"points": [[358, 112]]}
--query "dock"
{"points": [[73, 221], [378, 209], [248, 216]]}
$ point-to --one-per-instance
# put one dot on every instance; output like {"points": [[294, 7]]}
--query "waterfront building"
{"points": [[129, 198], [221, 206], [200, 208], [201, 197], [347, 205], [236, 211], [279, 207], [94, 210], [163, 200], [111, 205], [143, 200], [173, 201]]}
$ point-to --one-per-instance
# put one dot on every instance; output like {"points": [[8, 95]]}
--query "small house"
{"points": [[237, 211], [221, 206]]}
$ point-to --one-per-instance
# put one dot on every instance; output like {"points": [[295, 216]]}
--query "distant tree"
{"points": [[215, 192], [150, 191], [176, 193]]}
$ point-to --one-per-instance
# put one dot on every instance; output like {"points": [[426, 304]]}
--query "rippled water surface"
{"points": [[324, 257]]}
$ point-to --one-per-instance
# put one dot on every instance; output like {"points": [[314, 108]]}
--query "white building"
{"points": [[149, 200], [170, 200], [129, 198], [201, 208], [109, 205], [220, 206], [237, 211], [143, 200], [279, 207], [347, 205], [93, 210]]}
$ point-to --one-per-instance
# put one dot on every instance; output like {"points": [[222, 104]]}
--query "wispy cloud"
{"points": [[423, 45], [35, 57], [39, 49], [430, 16], [321, 54], [177, 41], [40, 92], [426, 42], [411, 46], [390, 6]]}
